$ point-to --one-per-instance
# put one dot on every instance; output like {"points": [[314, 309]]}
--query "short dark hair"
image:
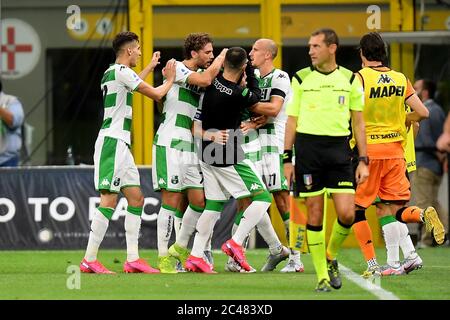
{"points": [[430, 86], [235, 58], [123, 38], [373, 47], [195, 41], [331, 36]]}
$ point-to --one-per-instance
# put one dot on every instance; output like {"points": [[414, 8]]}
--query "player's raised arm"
{"points": [[151, 66], [205, 78], [159, 92]]}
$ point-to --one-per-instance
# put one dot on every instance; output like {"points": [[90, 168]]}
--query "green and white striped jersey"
{"points": [[180, 106], [118, 84], [271, 135]]}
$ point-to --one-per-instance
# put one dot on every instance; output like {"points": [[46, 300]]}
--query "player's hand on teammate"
{"points": [[249, 69], [243, 82], [169, 70], [362, 172], [155, 60], [247, 126], [217, 136], [222, 53], [260, 121]]}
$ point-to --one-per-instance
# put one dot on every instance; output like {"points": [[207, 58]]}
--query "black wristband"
{"points": [[287, 156]]}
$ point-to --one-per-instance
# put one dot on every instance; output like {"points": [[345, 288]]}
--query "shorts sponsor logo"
{"points": [[307, 180], [174, 179], [116, 182], [105, 182], [345, 184], [161, 181]]}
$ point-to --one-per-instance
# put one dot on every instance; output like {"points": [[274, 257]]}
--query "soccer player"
{"points": [[325, 97], [386, 92], [224, 168], [175, 162], [276, 92], [114, 167]]}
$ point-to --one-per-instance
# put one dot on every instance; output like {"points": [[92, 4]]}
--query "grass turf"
{"points": [[43, 275]]}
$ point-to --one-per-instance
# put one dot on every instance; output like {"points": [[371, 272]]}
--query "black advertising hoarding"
{"points": [[52, 207]]}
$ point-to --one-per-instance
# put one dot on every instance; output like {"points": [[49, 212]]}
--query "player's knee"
{"points": [[263, 196], [360, 215], [347, 218], [282, 201], [198, 203], [136, 201], [171, 199]]}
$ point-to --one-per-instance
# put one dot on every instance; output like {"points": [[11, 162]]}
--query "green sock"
{"points": [[316, 244], [285, 216], [338, 234]]}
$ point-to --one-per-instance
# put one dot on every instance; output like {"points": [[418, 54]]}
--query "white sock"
{"points": [[246, 241], [406, 244], [205, 227], [164, 230], [177, 225], [244, 244], [233, 229], [190, 219], [132, 227], [391, 239], [252, 215], [208, 243], [294, 255], [99, 225], [269, 235]]}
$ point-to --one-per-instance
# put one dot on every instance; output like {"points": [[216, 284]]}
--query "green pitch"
{"points": [[43, 275]]}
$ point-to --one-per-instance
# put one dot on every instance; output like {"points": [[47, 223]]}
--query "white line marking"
{"points": [[372, 286]]}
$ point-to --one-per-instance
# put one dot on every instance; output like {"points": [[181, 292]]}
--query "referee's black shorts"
{"points": [[323, 164]]}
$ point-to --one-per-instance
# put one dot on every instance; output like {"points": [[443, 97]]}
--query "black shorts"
{"points": [[323, 164]]}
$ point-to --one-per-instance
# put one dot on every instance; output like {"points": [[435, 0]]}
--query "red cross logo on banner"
{"points": [[20, 48], [11, 48]]}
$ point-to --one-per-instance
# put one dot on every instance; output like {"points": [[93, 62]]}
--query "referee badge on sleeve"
{"points": [[307, 181], [341, 99]]}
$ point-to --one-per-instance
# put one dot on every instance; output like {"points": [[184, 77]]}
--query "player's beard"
{"points": [[207, 64]]}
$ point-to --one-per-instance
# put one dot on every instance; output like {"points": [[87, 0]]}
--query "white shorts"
{"points": [[114, 166], [238, 181], [175, 170], [273, 172]]}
